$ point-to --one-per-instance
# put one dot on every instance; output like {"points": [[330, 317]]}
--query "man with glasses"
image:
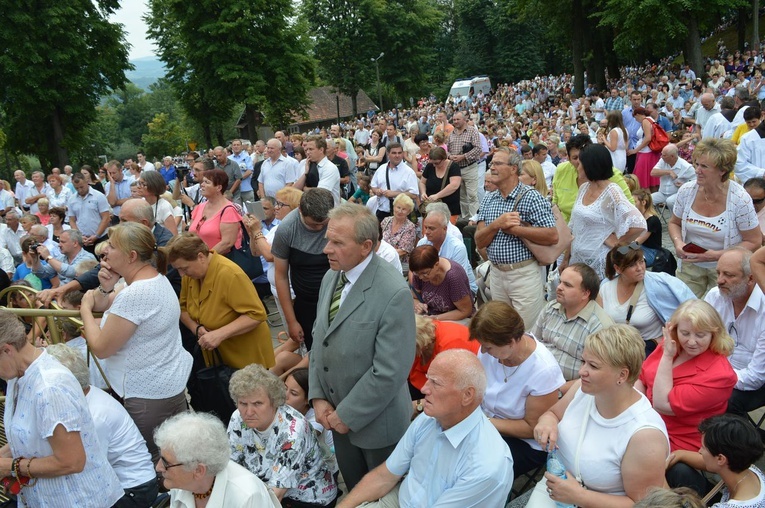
{"points": [[65, 263], [510, 213], [741, 305], [673, 171]]}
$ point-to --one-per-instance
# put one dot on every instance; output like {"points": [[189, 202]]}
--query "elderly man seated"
{"points": [[70, 244], [474, 466], [741, 305], [673, 171]]}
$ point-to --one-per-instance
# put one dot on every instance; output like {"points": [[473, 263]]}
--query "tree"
{"points": [[346, 39], [58, 59], [249, 52], [165, 137]]}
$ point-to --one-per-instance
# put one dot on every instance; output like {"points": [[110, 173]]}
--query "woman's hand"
{"points": [[424, 198], [107, 278], [88, 301], [210, 339], [563, 491], [546, 432], [421, 308], [253, 224], [670, 346]]}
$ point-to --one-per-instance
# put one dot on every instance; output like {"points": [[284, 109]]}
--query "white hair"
{"points": [[195, 438]]}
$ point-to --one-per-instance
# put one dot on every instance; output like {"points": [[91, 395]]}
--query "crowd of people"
{"points": [[418, 260]]}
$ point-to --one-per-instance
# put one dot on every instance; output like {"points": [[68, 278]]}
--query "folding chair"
{"points": [[660, 209]]}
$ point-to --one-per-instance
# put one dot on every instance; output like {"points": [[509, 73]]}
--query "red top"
{"points": [[702, 387], [448, 336]]}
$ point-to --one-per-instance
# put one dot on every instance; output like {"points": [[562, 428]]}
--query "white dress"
{"points": [[591, 224], [619, 156]]}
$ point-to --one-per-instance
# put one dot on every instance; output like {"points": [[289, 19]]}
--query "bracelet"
{"points": [[15, 467], [200, 325], [29, 472], [258, 236], [105, 292]]}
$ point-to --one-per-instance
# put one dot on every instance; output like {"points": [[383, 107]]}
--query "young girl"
{"points": [[297, 398], [362, 193], [651, 238]]}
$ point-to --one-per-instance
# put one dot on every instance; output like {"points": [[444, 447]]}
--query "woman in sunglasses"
{"points": [[634, 296]]}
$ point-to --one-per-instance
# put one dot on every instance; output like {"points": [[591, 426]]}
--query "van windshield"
{"points": [[461, 90]]}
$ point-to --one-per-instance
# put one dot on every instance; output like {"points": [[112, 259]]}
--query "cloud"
{"points": [[131, 14]]}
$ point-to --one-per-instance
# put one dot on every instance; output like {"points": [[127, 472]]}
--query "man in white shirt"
{"points": [[361, 137], [750, 162], [277, 171], [319, 171], [741, 305], [392, 179], [12, 233], [7, 202], [673, 171], [39, 190], [539, 154], [145, 165], [23, 189]]}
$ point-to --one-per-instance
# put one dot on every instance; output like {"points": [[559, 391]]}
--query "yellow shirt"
{"points": [[565, 189], [221, 297], [740, 131]]}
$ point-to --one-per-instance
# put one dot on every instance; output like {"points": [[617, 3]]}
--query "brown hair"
{"points": [[422, 258], [497, 323], [615, 259], [186, 246]]}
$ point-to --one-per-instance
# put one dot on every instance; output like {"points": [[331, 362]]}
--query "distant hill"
{"points": [[147, 70]]}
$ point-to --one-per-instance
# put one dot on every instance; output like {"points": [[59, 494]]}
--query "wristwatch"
{"points": [[105, 292], [48, 258]]}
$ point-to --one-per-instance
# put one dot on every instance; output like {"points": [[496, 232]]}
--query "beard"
{"points": [[737, 291]]}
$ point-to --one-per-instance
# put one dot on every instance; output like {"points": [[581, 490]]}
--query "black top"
{"points": [[97, 186], [654, 227], [433, 185]]}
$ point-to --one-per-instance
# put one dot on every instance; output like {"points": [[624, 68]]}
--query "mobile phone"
{"points": [[255, 208], [693, 248]]}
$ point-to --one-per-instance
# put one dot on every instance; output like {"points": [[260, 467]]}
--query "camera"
{"points": [[33, 248]]}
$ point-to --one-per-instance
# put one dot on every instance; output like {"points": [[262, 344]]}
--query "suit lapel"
{"points": [[355, 297]]}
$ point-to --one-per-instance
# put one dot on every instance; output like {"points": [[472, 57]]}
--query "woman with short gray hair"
{"points": [[194, 465], [275, 441]]}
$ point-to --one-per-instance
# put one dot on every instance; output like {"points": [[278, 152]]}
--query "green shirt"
{"points": [[565, 188]]}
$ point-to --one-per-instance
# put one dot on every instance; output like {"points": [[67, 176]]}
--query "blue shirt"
{"points": [[466, 465], [245, 164], [455, 250], [633, 127], [122, 190], [168, 173]]}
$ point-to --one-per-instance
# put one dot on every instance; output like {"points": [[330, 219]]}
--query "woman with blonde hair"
{"points": [[650, 240], [532, 174], [398, 230], [688, 378], [138, 335], [607, 434]]}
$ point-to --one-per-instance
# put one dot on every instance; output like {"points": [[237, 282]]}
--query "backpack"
{"points": [[659, 138]]}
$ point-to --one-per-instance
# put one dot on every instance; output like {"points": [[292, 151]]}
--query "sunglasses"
{"points": [[758, 201], [624, 249]]}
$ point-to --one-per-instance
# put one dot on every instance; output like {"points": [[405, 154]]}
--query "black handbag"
{"points": [[209, 388], [243, 257]]}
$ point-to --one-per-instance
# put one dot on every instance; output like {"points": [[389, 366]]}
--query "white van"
{"points": [[461, 88]]}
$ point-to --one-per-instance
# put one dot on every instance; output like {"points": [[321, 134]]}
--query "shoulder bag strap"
{"points": [[585, 419], [518, 199], [445, 178], [633, 300], [387, 182]]}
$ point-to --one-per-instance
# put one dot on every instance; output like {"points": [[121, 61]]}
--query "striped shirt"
{"points": [[533, 209], [564, 337]]}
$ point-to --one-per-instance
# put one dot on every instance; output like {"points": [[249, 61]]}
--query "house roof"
{"points": [[324, 105]]}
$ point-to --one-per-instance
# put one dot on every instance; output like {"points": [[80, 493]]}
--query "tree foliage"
{"points": [[58, 59], [164, 137], [248, 52]]}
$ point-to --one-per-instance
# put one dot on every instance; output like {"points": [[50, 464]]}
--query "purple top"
{"points": [[441, 298]]}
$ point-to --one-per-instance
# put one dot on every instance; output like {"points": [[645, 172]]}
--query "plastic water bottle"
{"points": [[556, 467]]}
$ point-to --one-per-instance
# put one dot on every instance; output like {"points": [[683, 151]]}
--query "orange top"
{"points": [[449, 335]]}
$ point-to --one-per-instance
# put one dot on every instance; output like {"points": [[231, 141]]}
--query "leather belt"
{"points": [[512, 266]]}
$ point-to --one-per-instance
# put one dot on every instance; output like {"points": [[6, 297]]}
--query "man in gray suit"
{"points": [[364, 342]]}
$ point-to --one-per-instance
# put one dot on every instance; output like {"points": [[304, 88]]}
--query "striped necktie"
{"points": [[334, 306]]}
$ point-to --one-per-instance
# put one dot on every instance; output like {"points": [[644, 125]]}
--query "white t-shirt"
{"points": [[389, 254], [162, 210], [121, 442], [538, 375], [96, 379], [152, 364]]}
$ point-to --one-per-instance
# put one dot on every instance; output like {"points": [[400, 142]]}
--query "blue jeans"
{"points": [[650, 256]]}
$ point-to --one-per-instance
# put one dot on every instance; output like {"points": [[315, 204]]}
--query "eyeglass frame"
{"points": [[166, 465]]}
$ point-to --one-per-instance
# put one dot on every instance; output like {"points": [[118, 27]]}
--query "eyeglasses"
{"points": [[733, 332], [624, 249], [141, 184], [166, 465], [200, 223], [424, 274], [279, 204]]}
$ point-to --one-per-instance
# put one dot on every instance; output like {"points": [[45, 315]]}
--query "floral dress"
{"points": [[284, 456], [405, 238]]}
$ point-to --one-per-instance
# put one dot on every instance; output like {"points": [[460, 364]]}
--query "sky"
{"points": [[130, 15]]}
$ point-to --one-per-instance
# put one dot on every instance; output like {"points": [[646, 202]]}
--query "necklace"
{"points": [[517, 367], [206, 494], [734, 490]]}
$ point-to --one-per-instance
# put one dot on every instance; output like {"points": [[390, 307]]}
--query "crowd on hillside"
{"points": [[469, 290]]}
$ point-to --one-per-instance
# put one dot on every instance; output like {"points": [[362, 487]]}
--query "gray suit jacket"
{"points": [[360, 363]]}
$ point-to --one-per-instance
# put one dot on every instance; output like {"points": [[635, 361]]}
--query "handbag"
{"points": [[548, 254], [209, 387], [243, 257], [423, 206], [659, 138]]}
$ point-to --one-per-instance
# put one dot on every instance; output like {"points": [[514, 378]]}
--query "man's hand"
{"points": [[322, 409], [336, 424], [48, 295], [43, 252], [89, 240], [508, 220]]}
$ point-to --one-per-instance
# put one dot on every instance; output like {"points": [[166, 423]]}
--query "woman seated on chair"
{"points": [[607, 434], [634, 296], [440, 286], [730, 446], [523, 379], [689, 378]]}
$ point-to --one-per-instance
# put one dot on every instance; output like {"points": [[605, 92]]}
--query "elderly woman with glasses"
{"points": [[440, 287], [637, 297], [275, 441], [196, 468]]}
